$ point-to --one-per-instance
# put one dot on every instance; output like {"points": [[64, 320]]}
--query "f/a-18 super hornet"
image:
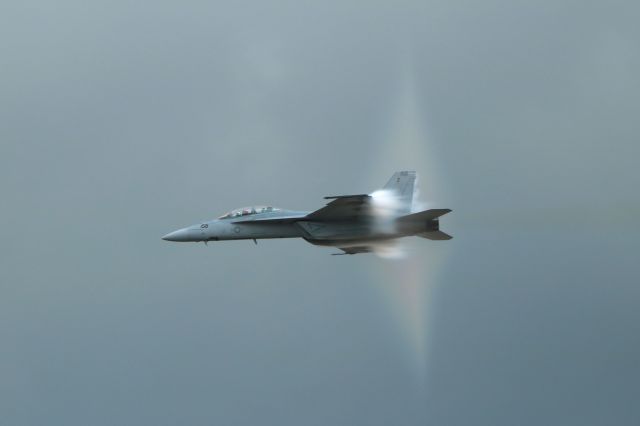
{"points": [[352, 223]]}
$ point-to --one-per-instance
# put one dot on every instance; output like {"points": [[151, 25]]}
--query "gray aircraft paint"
{"points": [[348, 222]]}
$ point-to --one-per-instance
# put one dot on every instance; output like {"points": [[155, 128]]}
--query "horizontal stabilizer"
{"points": [[435, 235], [424, 215]]}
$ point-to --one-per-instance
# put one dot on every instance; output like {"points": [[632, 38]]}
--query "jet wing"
{"points": [[343, 207]]}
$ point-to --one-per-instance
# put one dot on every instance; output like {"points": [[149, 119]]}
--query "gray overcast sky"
{"points": [[121, 121]]}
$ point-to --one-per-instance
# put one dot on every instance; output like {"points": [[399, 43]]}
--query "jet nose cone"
{"points": [[179, 235]]}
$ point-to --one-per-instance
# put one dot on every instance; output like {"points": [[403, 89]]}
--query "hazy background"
{"points": [[121, 121]]}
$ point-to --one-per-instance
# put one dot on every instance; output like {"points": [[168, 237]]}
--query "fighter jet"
{"points": [[352, 223]]}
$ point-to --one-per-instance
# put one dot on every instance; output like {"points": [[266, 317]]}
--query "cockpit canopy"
{"points": [[246, 211]]}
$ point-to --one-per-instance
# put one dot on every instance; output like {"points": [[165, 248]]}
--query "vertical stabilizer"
{"points": [[402, 184]]}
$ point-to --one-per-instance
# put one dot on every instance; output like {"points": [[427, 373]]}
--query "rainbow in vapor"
{"points": [[407, 283]]}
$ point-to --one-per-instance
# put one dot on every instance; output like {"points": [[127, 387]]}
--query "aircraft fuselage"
{"points": [[353, 223]]}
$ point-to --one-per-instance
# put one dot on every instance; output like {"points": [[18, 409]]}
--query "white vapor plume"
{"points": [[389, 250], [385, 206], [385, 203], [406, 284]]}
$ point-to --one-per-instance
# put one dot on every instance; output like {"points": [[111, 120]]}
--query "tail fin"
{"points": [[402, 184]]}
